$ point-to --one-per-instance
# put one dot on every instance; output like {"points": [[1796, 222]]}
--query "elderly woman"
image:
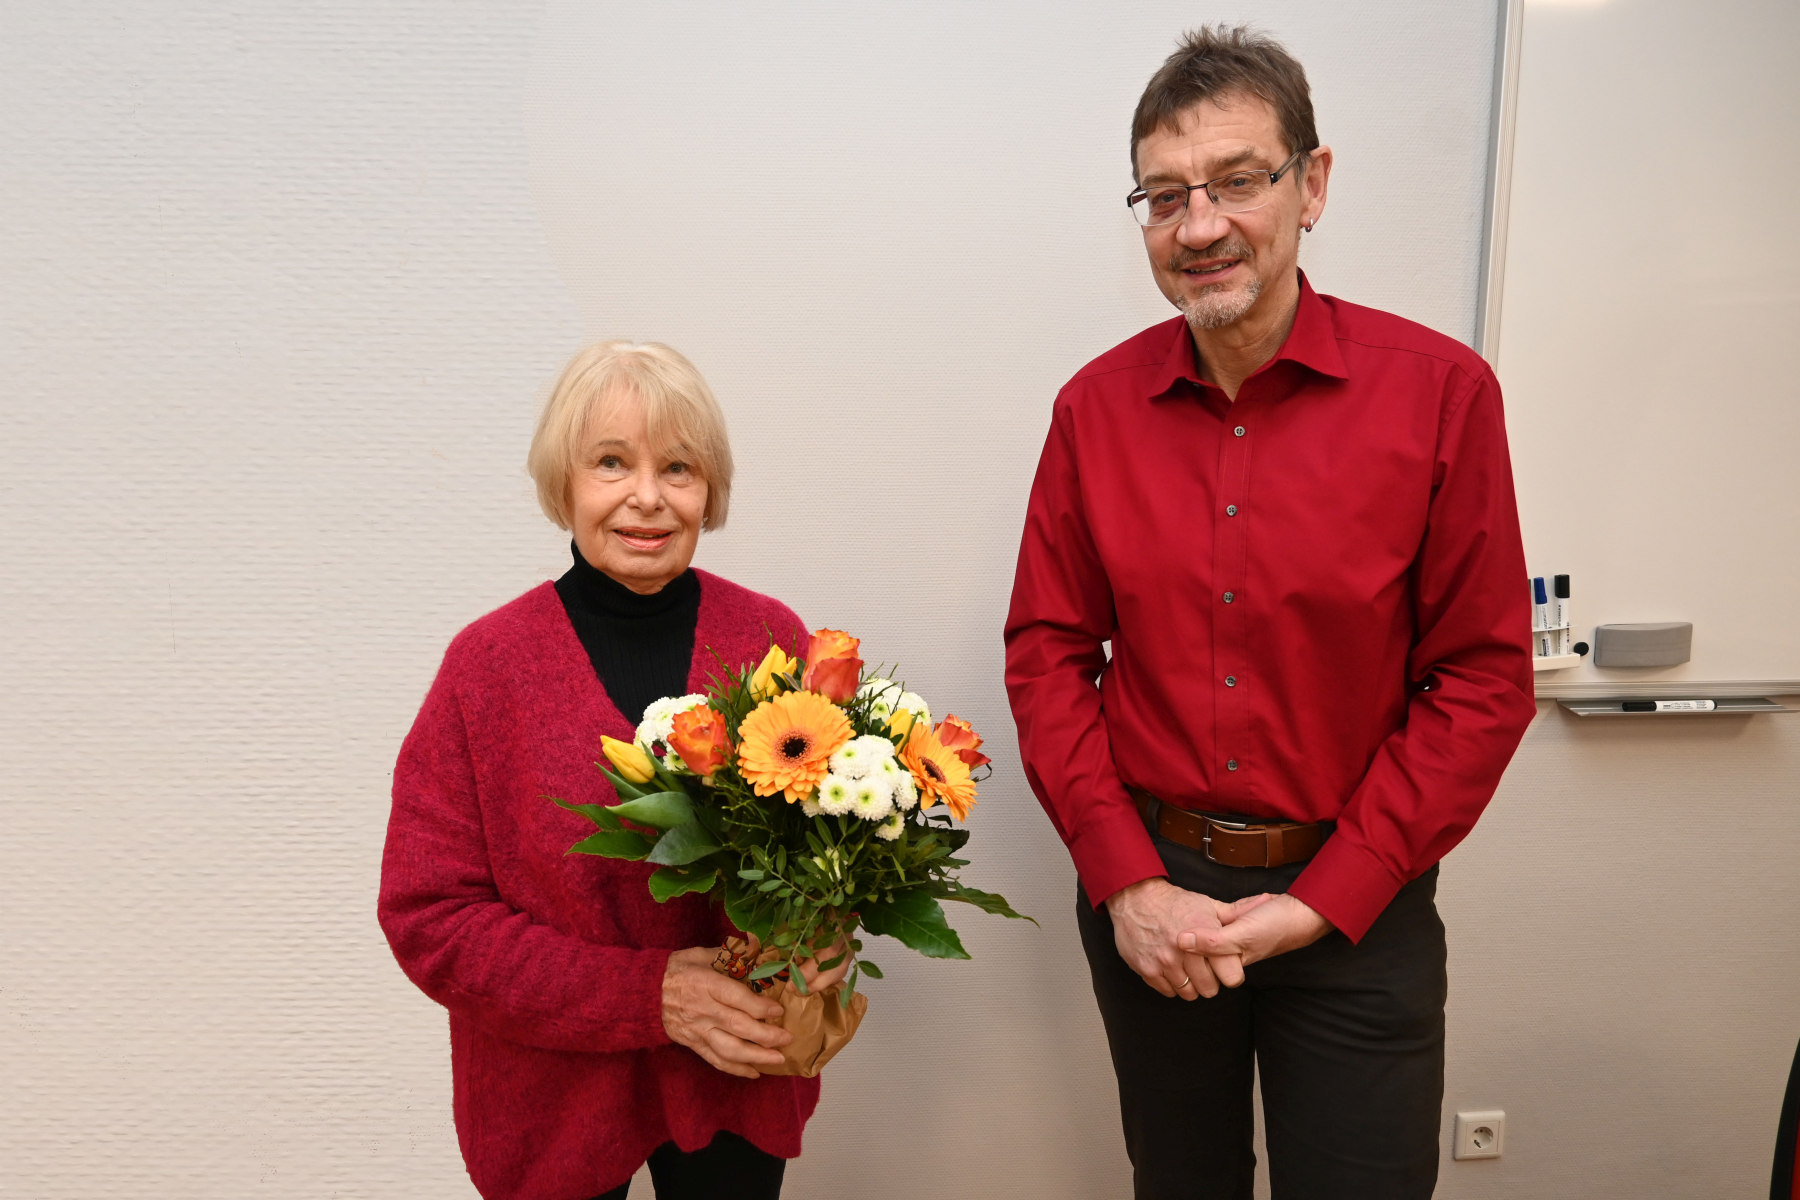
{"points": [[588, 1032]]}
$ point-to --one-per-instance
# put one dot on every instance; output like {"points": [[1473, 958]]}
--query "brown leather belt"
{"points": [[1232, 843]]}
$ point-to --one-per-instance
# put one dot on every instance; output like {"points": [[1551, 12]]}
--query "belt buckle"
{"points": [[1206, 838]]}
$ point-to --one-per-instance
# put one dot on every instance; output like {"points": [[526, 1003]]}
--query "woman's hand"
{"points": [[718, 1018], [817, 980]]}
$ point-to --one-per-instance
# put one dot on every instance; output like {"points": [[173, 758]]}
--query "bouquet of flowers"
{"points": [[817, 799]]}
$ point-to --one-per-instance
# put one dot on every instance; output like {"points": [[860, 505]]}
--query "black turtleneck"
{"points": [[641, 646]]}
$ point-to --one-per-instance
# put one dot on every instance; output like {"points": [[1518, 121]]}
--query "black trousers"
{"points": [[727, 1166], [1348, 1039]]}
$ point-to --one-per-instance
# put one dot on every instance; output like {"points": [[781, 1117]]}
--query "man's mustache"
{"points": [[1223, 248]]}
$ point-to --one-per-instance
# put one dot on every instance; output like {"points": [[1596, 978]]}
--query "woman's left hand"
{"points": [[817, 980]]}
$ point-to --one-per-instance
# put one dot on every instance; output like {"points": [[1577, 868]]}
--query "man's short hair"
{"points": [[1215, 62], [681, 419]]}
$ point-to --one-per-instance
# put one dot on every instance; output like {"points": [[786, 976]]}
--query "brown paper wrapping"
{"points": [[820, 1024]]}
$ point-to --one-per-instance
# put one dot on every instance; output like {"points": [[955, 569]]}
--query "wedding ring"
{"points": [[1185, 981]]}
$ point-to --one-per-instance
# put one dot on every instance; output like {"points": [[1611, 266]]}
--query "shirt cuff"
{"points": [[1346, 885], [1114, 851]]}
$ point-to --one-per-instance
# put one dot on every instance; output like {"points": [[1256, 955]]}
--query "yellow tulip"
{"points": [[901, 723], [763, 684], [629, 760]]}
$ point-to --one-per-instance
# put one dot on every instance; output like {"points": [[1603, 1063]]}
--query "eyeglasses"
{"points": [[1240, 191]]}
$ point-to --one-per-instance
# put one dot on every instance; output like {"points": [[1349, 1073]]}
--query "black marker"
{"points": [[1560, 615]]}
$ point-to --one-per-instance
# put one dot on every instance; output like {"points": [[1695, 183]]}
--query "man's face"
{"points": [[1215, 266]]}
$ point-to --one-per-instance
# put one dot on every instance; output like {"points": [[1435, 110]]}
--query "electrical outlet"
{"points": [[1479, 1134]]}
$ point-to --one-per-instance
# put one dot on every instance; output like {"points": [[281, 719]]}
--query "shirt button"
{"points": [[1231, 510], [1229, 597], [1231, 681], [1231, 764], [1238, 432]]}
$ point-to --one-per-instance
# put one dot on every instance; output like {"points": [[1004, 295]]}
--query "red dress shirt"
{"points": [[1315, 597]]}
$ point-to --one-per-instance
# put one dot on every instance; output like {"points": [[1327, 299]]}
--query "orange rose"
{"points": [[956, 734], [699, 737], [832, 667]]}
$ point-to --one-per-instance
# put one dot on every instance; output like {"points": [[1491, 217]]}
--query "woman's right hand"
{"points": [[719, 1018]]}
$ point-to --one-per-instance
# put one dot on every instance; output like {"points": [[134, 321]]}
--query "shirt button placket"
{"points": [[1229, 632]]}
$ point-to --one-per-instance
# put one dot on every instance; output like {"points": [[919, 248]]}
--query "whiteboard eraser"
{"points": [[1652, 644]]}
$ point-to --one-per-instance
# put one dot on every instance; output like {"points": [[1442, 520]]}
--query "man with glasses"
{"points": [[1292, 519]]}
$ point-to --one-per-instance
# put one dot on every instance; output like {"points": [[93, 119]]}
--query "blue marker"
{"points": [[1540, 616]]}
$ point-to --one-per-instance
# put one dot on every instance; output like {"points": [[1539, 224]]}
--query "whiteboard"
{"points": [[1643, 317]]}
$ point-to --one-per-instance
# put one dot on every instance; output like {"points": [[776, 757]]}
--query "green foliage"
{"points": [[682, 845], [988, 902], [660, 810], [614, 843], [600, 814], [915, 920], [666, 883]]}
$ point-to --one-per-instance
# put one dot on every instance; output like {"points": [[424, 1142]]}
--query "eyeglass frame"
{"points": [[1275, 177]]}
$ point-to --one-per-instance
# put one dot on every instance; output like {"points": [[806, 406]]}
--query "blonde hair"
{"points": [[681, 417]]}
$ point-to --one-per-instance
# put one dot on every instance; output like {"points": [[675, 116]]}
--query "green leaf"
{"points": [[682, 845], [627, 790], [990, 902], [666, 883], [743, 909], [614, 843], [751, 873], [768, 885], [660, 810], [869, 969], [915, 920], [599, 814], [774, 966]]}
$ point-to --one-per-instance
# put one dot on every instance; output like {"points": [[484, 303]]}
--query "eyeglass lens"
{"points": [[1232, 193]]}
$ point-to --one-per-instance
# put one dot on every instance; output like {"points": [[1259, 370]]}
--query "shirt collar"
{"points": [[1311, 343]]}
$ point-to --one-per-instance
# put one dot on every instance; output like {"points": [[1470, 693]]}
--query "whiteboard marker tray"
{"points": [[1724, 706]]}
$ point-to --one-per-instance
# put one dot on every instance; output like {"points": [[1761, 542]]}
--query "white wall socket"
{"points": [[1479, 1134]]}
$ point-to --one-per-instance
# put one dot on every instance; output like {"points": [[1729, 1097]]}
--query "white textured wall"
{"points": [[283, 287]]}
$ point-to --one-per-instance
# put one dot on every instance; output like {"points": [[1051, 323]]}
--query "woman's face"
{"points": [[636, 511]]}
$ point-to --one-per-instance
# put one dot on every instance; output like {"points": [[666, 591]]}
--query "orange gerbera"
{"points": [[785, 742], [939, 771]]}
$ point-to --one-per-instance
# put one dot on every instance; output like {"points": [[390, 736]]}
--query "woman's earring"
{"points": [[1307, 227]]}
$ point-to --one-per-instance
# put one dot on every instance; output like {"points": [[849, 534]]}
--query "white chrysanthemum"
{"points": [[890, 829], [877, 747], [889, 768], [906, 792], [851, 761], [886, 693], [871, 798], [835, 795], [862, 755], [912, 700], [810, 806], [659, 719]]}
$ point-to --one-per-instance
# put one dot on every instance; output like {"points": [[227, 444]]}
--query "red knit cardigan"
{"points": [[551, 964]]}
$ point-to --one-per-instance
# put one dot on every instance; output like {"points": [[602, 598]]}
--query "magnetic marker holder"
{"points": [[1555, 662]]}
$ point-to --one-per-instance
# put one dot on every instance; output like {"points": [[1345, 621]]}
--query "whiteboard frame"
{"points": [[1509, 39]]}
